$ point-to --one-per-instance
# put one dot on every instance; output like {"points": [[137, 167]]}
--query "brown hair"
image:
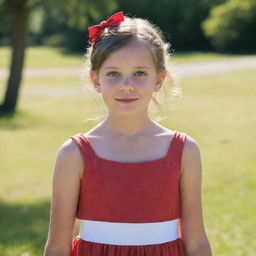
{"points": [[115, 37]]}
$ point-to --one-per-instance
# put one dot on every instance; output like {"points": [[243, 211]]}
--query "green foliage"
{"points": [[2, 8], [231, 26], [79, 12], [67, 21], [36, 18], [179, 19], [62, 22], [8, 11], [4, 23]]}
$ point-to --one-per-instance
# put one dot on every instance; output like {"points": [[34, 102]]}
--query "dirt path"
{"points": [[189, 69], [182, 70], [217, 66]]}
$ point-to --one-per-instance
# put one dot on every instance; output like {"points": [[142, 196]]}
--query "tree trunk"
{"points": [[19, 17]]}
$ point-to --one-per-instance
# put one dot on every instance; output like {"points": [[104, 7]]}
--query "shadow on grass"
{"points": [[18, 120], [24, 224]]}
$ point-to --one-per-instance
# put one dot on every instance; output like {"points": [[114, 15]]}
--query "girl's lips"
{"points": [[126, 100]]}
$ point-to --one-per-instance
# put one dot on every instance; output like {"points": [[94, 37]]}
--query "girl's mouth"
{"points": [[126, 100]]}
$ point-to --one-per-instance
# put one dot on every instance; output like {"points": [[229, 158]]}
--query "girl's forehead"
{"points": [[133, 54]]}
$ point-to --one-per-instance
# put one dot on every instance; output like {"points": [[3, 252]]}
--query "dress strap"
{"points": [[177, 147], [84, 146]]}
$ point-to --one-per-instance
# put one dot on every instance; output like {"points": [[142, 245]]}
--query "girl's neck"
{"points": [[128, 126]]}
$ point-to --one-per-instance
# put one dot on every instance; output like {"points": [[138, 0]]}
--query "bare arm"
{"points": [[65, 192], [192, 224]]}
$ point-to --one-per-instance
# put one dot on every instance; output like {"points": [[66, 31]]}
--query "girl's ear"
{"points": [[161, 75], [95, 80]]}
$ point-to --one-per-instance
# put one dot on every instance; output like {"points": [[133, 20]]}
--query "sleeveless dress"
{"points": [[129, 192]]}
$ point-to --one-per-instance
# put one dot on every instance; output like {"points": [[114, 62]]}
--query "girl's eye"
{"points": [[140, 73], [113, 73]]}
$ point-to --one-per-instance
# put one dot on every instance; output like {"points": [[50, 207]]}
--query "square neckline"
{"points": [[171, 143]]}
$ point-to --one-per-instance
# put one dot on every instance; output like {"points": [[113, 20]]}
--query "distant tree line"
{"points": [[231, 26], [221, 25]]}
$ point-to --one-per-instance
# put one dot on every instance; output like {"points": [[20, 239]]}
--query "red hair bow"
{"points": [[95, 31]]}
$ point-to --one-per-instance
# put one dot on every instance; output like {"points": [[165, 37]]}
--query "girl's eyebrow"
{"points": [[143, 67]]}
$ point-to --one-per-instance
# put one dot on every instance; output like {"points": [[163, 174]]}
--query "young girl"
{"points": [[134, 185]]}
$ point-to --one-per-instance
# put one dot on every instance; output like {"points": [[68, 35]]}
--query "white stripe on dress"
{"points": [[116, 233]]}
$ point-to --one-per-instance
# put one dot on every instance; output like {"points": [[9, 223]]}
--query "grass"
{"points": [[218, 111], [181, 57], [38, 57]]}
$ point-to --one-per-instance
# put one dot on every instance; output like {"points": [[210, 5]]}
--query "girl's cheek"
{"points": [[142, 82], [110, 85]]}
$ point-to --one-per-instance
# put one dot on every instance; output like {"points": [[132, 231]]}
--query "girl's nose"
{"points": [[126, 84]]}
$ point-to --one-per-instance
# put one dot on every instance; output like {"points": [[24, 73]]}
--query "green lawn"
{"points": [[218, 111], [38, 57]]}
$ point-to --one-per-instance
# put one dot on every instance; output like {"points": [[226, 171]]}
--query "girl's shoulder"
{"points": [[191, 156], [190, 143], [190, 152], [69, 155]]}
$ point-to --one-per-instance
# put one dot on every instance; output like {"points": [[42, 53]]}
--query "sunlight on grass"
{"points": [[44, 57], [194, 56], [47, 57]]}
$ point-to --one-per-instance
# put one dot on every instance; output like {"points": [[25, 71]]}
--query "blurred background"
{"points": [[42, 44]]}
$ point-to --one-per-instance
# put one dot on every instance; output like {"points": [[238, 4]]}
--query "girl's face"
{"points": [[128, 73]]}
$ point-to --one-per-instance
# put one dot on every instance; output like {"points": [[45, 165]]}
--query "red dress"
{"points": [[138, 192]]}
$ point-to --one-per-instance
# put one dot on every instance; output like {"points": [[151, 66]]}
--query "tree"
{"points": [[17, 13], [67, 27], [231, 26], [179, 19]]}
